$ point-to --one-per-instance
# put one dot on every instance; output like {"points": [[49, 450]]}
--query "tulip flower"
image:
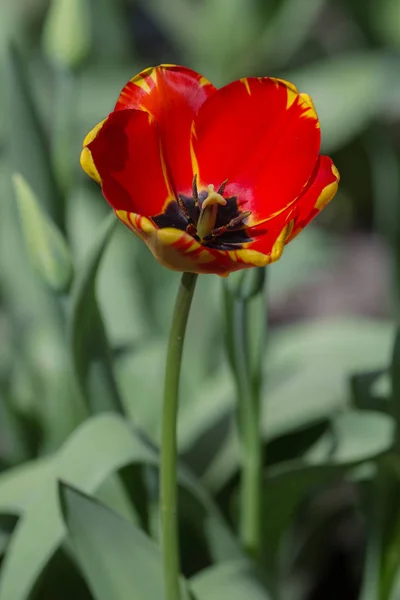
{"points": [[212, 180]]}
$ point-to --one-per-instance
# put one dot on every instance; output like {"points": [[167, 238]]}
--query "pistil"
{"points": [[208, 213]]}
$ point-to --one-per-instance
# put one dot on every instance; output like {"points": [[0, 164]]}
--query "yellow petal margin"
{"points": [[179, 251], [86, 160]]}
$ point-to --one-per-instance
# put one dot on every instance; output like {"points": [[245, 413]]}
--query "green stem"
{"points": [[250, 434], [169, 452]]}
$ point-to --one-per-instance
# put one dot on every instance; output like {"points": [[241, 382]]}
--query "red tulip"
{"points": [[211, 180]]}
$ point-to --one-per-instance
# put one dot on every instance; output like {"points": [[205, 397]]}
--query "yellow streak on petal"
{"points": [[279, 245], [328, 192], [291, 97], [153, 75], [309, 111], [335, 172], [289, 85], [165, 172], [252, 257], [250, 222], [142, 226], [307, 99], [289, 231], [93, 132], [151, 72], [178, 251], [88, 165], [203, 81], [193, 157], [141, 79], [246, 84], [123, 216], [232, 255]]}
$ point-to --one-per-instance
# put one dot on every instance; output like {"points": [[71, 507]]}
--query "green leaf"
{"points": [[374, 507], [7, 524], [98, 448], [385, 18], [307, 382], [45, 244], [395, 591], [395, 376], [285, 487], [371, 390], [356, 436], [234, 580], [4, 538], [118, 560], [86, 211], [66, 34], [27, 143], [18, 485], [91, 354]]}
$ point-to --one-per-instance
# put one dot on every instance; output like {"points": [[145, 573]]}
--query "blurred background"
{"points": [[333, 297]]}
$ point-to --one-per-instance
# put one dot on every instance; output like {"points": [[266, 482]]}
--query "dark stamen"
{"points": [[184, 209], [239, 219], [191, 230], [221, 188], [195, 193], [235, 224]]}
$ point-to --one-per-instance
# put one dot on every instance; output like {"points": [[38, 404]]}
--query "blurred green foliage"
{"points": [[85, 311]]}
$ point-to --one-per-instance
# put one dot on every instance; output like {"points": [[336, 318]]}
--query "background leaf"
{"points": [[28, 146], [45, 244], [91, 353], [100, 447], [118, 560], [235, 580]]}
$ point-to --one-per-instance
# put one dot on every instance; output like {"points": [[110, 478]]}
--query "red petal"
{"points": [[320, 190], [263, 136], [172, 95], [127, 155], [270, 236]]}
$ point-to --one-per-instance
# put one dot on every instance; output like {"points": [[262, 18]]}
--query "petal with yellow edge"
{"points": [[179, 251], [270, 237], [261, 135], [172, 95], [127, 155], [318, 193]]}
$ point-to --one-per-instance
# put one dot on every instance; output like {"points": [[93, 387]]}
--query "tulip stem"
{"points": [[250, 435], [169, 452]]}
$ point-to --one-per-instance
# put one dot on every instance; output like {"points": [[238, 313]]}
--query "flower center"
{"points": [[208, 216]]}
